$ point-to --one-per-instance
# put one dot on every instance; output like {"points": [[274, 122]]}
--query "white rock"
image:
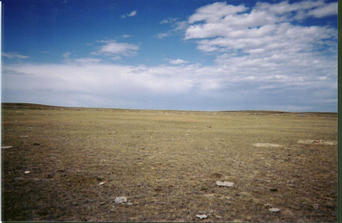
{"points": [[274, 210], [101, 183], [6, 147], [224, 183], [201, 216], [120, 200], [27, 172]]}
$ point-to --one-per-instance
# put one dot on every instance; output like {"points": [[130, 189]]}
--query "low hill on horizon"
{"points": [[21, 105]]}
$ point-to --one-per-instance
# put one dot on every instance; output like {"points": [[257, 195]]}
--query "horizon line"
{"points": [[146, 109]]}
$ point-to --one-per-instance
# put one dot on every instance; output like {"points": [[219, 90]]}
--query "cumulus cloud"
{"points": [[215, 12], [13, 55], [117, 48], [263, 41], [267, 45], [133, 13], [230, 24], [326, 10]]}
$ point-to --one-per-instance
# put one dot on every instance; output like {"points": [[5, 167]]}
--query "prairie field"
{"points": [[70, 164]]}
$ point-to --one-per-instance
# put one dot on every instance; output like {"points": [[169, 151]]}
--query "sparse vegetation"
{"points": [[166, 163]]}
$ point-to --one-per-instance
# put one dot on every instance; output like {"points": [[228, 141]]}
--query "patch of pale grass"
{"points": [[317, 142], [267, 145]]}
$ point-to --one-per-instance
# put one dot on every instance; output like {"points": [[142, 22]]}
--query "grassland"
{"points": [[166, 163]]}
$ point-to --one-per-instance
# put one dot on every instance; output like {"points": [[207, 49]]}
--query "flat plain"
{"points": [[69, 164]]}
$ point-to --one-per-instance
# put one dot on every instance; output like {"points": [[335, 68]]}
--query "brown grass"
{"points": [[166, 163]]}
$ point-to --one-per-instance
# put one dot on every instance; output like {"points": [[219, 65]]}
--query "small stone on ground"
{"points": [[274, 210], [6, 147], [101, 183], [201, 216], [224, 183], [27, 172], [120, 200]]}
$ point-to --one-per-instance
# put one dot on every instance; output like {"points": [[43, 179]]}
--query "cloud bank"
{"points": [[13, 55]]}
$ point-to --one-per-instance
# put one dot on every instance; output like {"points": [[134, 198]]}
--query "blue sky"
{"points": [[189, 55]]}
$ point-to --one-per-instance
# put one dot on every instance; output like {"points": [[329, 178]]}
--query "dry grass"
{"points": [[166, 163], [266, 145]]}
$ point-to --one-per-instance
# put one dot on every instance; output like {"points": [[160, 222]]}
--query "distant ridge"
{"points": [[13, 105], [29, 106]]}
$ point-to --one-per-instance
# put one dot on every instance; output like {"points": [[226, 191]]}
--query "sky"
{"points": [[171, 54]]}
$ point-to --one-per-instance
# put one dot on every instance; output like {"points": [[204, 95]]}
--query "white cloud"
{"points": [[181, 25], [162, 35], [224, 20], [126, 36], [177, 61], [121, 85], [326, 10], [282, 8], [177, 26], [215, 12], [263, 45], [13, 55], [263, 37], [100, 78], [133, 13], [118, 48]]}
